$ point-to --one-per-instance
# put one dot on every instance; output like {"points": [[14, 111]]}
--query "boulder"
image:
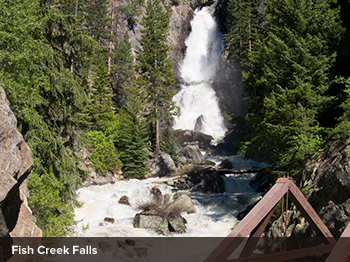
{"points": [[177, 224], [192, 154], [226, 164], [182, 203], [185, 137], [109, 220], [163, 165], [124, 200], [153, 222]]}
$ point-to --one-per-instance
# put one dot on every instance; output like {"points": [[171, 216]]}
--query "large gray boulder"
{"points": [[154, 222], [192, 154], [163, 165]]}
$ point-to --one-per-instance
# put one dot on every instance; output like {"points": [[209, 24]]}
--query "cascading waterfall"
{"points": [[197, 101], [215, 213]]}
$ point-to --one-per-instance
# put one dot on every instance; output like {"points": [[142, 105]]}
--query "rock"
{"points": [[199, 124], [15, 166], [124, 200], [163, 165], [181, 204], [211, 184], [177, 224], [109, 220], [180, 193], [226, 164], [185, 137], [192, 154], [141, 252], [153, 222], [261, 181]]}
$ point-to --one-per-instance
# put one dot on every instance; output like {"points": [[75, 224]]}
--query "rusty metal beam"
{"points": [[341, 251], [251, 221], [255, 236], [287, 255]]}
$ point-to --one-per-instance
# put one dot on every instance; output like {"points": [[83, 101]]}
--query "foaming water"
{"points": [[212, 217], [197, 100]]}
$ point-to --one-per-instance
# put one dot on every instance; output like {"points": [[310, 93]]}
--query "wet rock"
{"points": [[180, 193], [182, 203], [199, 124], [211, 184], [153, 222], [261, 181], [177, 224], [226, 164], [109, 220], [185, 137], [124, 200]]}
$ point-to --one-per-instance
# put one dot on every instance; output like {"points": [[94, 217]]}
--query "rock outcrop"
{"points": [[15, 166], [327, 190]]}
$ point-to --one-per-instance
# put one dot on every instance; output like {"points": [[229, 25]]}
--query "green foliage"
{"points": [[55, 217], [104, 155], [101, 108], [242, 24], [343, 127], [155, 67], [133, 144], [131, 9], [122, 71], [168, 145], [286, 78]]}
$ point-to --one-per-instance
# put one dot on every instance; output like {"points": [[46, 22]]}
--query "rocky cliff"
{"points": [[327, 187], [16, 163]]}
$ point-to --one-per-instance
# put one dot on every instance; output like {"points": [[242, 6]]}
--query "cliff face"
{"points": [[16, 163]]}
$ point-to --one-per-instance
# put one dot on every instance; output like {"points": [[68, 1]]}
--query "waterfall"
{"points": [[197, 101]]}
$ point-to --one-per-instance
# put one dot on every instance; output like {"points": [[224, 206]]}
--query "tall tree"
{"points": [[155, 67], [101, 108], [287, 78], [242, 25]]}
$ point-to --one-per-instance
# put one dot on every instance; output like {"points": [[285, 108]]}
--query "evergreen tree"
{"points": [[101, 108], [38, 45], [287, 78], [242, 26], [155, 67], [122, 71], [168, 145], [133, 144]]}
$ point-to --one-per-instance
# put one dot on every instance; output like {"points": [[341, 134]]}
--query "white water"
{"points": [[196, 98]]}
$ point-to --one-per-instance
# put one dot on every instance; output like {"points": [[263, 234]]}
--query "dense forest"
{"points": [[73, 85]]}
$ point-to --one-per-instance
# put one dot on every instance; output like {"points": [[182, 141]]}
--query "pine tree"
{"points": [[155, 67], [287, 79], [168, 145], [101, 108], [122, 71], [242, 25], [133, 144]]}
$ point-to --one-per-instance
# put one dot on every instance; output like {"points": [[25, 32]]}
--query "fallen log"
{"points": [[238, 171], [166, 179]]}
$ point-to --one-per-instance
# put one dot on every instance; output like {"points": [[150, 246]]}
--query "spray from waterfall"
{"points": [[197, 101]]}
